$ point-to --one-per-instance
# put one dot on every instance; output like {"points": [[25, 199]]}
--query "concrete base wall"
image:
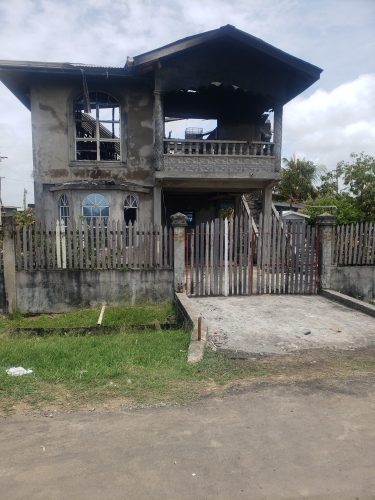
{"points": [[58, 291], [356, 281], [2, 293]]}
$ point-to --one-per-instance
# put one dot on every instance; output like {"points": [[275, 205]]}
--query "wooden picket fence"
{"points": [[227, 257], [355, 244], [81, 246]]}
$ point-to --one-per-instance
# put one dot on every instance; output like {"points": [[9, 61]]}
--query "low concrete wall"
{"points": [[356, 281], [58, 291], [2, 293]]}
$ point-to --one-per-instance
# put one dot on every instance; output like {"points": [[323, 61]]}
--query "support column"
{"points": [[277, 134], [267, 200], [158, 130], [179, 223], [157, 205], [326, 225], [9, 259]]}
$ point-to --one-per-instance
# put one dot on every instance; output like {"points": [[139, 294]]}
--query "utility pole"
{"points": [[24, 198], [1, 203]]}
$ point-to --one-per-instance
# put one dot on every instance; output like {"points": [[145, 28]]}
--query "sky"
{"points": [[334, 117]]}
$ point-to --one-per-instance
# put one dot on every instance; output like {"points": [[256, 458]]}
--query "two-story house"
{"points": [[99, 142]]}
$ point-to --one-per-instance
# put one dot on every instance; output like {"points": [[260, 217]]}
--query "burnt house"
{"points": [[99, 133]]}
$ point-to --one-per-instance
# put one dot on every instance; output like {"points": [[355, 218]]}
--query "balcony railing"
{"points": [[222, 148]]}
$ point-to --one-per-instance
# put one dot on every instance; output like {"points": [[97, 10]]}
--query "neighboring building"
{"points": [[291, 216], [99, 142]]}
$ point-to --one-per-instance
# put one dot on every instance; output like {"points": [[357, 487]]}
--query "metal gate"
{"points": [[235, 257]]}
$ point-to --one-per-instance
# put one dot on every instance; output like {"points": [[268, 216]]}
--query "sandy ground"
{"points": [[280, 324], [312, 439]]}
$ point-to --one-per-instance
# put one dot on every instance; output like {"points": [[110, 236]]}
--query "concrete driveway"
{"points": [[265, 324], [313, 439]]}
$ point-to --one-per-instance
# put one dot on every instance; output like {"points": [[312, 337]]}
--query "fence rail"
{"points": [[105, 246], [354, 244]]}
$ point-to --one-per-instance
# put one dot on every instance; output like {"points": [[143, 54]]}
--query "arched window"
{"points": [[64, 209], [97, 121], [95, 208], [130, 209]]}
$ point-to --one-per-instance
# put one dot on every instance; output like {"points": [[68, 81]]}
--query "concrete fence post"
{"points": [[326, 225], [9, 260], [179, 223]]}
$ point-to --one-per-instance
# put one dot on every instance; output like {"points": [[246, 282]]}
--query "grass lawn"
{"points": [[138, 368], [89, 317]]}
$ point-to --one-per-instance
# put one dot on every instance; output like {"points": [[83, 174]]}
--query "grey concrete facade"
{"points": [[186, 79], [356, 281], [58, 291]]}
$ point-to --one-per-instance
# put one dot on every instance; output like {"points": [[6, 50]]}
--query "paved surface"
{"points": [[312, 440], [278, 324]]}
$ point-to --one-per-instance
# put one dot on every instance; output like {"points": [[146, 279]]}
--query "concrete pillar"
{"points": [[326, 224], [157, 205], [158, 130], [179, 223], [267, 200], [277, 134], [9, 259]]}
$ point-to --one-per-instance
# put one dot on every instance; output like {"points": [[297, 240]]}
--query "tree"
{"points": [[342, 206], [297, 180], [359, 180]]}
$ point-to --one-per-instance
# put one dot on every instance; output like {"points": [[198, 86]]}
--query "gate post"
{"points": [[9, 261], [326, 225], [179, 223]]}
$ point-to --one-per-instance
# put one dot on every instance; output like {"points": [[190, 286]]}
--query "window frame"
{"points": [[132, 207], [63, 203], [92, 219], [97, 139]]}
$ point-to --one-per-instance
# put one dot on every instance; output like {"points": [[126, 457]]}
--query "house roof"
{"points": [[227, 31], [287, 213]]}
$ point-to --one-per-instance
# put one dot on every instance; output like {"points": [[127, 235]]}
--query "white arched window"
{"points": [[97, 120], [130, 209], [64, 209], [95, 208]]}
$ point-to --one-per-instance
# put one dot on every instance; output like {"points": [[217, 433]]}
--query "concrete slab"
{"points": [[266, 324]]}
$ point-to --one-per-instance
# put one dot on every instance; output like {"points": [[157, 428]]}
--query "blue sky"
{"points": [[334, 117]]}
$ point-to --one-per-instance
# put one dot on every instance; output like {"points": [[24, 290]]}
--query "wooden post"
{"points": [[326, 223], [9, 260], [179, 223]]}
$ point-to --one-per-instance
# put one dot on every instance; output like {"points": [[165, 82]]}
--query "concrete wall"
{"points": [[58, 291], [356, 281], [53, 132], [2, 293]]}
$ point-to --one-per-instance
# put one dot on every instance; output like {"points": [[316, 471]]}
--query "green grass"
{"points": [[89, 317], [143, 367]]}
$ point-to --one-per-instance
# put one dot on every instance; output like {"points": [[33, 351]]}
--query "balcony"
{"points": [[214, 147], [218, 159]]}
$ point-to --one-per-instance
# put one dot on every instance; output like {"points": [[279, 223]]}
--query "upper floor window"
{"points": [[64, 209], [130, 209], [95, 208], [97, 127]]}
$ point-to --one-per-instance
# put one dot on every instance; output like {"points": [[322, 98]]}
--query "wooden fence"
{"points": [[227, 257], [355, 244], [110, 246]]}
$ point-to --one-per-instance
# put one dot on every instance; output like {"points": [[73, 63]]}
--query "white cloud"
{"points": [[327, 126], [329, 33]]}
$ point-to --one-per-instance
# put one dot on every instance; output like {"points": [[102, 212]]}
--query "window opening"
{"points": [[130, 209], [95, 208], [97, 131], [64, 209]]}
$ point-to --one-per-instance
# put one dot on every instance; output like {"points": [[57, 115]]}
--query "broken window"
{"points": [[95, 209], [130, 209], [97, 125], [64, 209]]}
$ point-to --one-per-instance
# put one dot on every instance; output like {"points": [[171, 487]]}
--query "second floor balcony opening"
{"points": [[217, 120]]}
